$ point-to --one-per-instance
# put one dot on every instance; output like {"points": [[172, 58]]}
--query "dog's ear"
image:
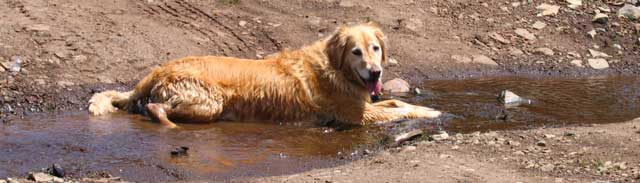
{"points": [[336, 48], [382, 39]]}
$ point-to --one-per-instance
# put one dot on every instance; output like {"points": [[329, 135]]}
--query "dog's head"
{"points": [[359, 51]]}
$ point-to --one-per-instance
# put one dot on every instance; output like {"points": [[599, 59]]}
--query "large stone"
{"points": [[630, 11], [598, 63], [548, 9], [481, 59], [396, 85], [525, 34]]}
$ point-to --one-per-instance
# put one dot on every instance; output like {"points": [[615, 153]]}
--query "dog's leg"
{"points": [[158, 112], [391, 110]]}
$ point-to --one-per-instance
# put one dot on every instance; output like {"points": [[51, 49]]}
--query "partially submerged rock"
{"points": [[510, 99]]}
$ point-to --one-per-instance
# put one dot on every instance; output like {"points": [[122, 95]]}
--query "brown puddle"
{"points": [[138, 150], [132, 147], [556, 101]]}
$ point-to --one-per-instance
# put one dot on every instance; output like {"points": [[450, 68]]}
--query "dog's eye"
{"points": [[357, 52], [376, 48]]}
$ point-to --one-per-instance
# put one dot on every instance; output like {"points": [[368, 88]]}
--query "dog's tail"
{"points": [[109, 101]]}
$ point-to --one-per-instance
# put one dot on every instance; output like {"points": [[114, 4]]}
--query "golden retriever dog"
{"points": [[331, 79]]}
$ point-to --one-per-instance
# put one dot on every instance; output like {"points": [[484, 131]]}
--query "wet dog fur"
{"points": [[330, 79]]}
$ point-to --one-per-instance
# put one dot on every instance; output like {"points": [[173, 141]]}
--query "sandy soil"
{"points": [[71, 49]]}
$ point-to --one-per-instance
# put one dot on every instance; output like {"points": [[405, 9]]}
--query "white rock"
{"points": [[242, 23], [481, 59], [630, 11], [539, 25], [577, 63], [595, 53], [573, 4], [598, 63], [525, 34], [392, 62], [548, 9], [396, 85], [600, 18], [547, 167], [592, 33], [510, 98], [545, 51]]}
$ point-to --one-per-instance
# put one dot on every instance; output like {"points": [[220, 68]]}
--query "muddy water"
{"points": [[556, 101], [132, 147]]}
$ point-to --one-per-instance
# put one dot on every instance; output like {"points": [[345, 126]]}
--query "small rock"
{"points": [[596, 54], [509, 98], [417, 91], [544, 51], [592, 33], [392, 62], [56, 170], [521, 153], [525, 34], [38, 28], [574, 54], [617, 46], [461, 58], [40, 177], [577, 63], [569, 134], [541, 143], [600, 18], [445, 156], [499, 38], [573, 4], [515, 51], [65, 83], [547, 167], [442, 135], [399, 138], [605, 9], [347, 4], [548, 9], [539, 25], [180, 151], [549, 136], [396, 85], [598, 63], [15, 65], [481, 59], [629, 11], [242, 23]]}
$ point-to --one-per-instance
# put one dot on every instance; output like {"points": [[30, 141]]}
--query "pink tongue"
{"points": [[374, 87]]}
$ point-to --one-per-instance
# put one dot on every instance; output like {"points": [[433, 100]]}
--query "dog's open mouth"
{"points": [[375, 87]]}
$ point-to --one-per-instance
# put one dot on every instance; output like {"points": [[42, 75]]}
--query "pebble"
{"points": [[242, 23], [577, 63], [15, 65], [539, 25], [592, 33], [499, 38], [65, 83], [396, 85], [541, 143], [598, 63], [482, 59], [442, 135], [524, 33], [38, 28], [595, 53], [392, 62], [399, 138], [547, 167], [574, 54], [180, 151], [573, 4], [56, 170], [630, 11], [544, 51], [515, 51], [548, 9], [600, 18]]}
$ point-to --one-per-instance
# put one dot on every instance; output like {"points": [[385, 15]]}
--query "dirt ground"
{"points": [[71, 49]]}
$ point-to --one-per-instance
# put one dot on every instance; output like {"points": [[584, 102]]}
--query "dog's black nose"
{"points": [[374, 75]]}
